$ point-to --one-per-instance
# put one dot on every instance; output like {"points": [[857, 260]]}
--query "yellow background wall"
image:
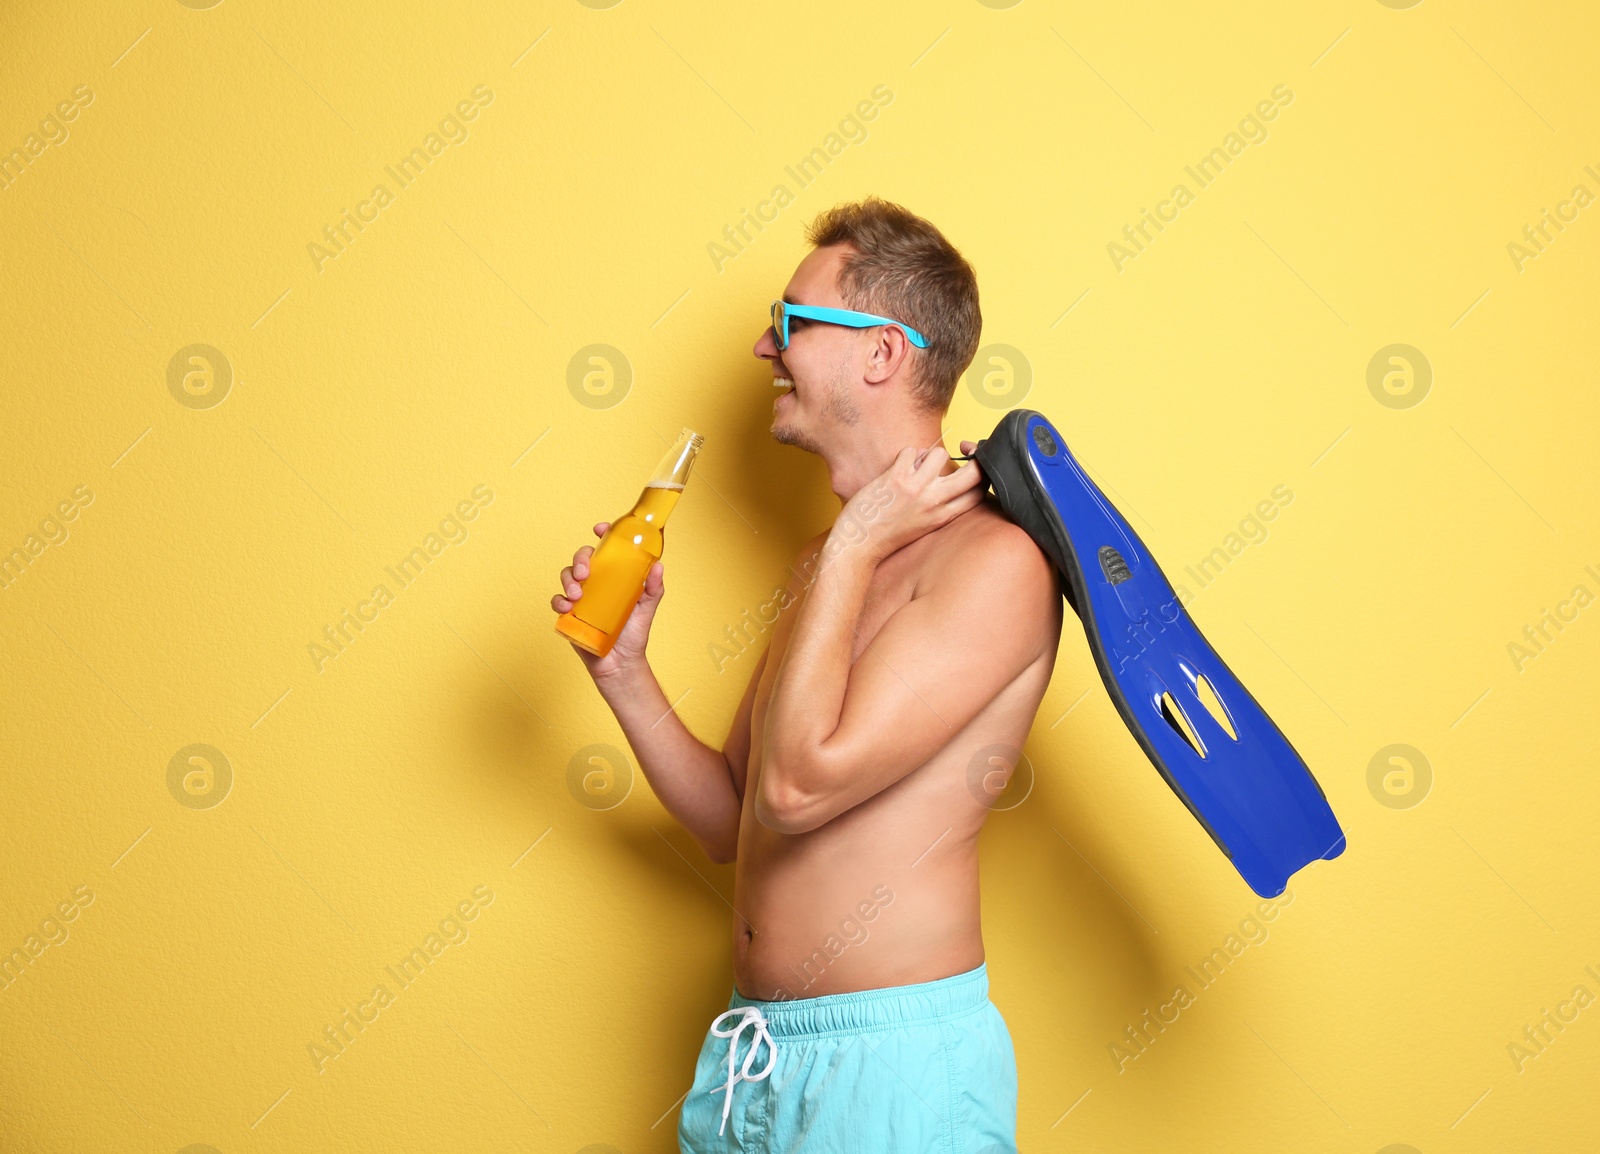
{"points": [[346, 406]]}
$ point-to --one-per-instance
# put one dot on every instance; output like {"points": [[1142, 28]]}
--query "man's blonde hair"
{"points": [[904, 268]]}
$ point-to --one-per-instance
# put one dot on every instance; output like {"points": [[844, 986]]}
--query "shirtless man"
{"points": [[915, 642]]}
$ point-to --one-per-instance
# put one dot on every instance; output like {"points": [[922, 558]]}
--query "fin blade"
{"points": [[1237, 774]]}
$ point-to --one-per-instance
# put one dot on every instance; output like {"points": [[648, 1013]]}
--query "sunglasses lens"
{"points": [[780, 325]]}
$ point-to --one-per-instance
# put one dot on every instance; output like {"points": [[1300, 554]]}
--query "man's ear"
{"points": [[888, 351]]}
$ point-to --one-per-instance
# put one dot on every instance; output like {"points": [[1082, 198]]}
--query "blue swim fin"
{"points": [[1224, 757]]}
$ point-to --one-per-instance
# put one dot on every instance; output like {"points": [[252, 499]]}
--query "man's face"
{"points": [[819, 366]]}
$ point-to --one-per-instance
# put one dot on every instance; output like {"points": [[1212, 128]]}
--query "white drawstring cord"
{"points": [[749, 1015]]}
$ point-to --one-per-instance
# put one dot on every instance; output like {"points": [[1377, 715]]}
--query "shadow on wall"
{"points": [[1070, 905], [528, 769]]}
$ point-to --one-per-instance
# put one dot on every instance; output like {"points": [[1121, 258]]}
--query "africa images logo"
{"points": [[599, 776], [999, 376], [199, 376], [1399, 376], [599, 376], [199, 776]]}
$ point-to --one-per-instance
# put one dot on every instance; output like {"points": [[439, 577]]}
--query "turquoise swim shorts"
{"points": [[927, 1067]]}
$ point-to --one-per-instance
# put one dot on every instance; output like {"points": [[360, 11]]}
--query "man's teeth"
{"points": [[782, 383]]}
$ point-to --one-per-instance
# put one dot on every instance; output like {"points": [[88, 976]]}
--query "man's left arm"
{"points": [[837, 735]]}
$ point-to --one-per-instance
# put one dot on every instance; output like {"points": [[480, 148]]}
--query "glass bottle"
{"points": [[621, 561]]}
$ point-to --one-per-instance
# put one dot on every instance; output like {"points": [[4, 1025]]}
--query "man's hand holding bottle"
{"points": [[628, 650]]}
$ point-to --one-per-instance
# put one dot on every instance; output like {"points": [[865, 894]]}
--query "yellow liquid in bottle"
{"points": [[617, 570]]}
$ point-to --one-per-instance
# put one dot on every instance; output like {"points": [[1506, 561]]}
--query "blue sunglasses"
{"points": [[783, 310]]}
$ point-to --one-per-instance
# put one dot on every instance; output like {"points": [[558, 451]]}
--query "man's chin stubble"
{"points": [[785, 435]]}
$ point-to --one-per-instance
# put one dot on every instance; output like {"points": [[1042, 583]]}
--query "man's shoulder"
{"points": [[983, 544], [985, 568]]}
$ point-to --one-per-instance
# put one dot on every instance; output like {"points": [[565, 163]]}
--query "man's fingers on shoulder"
{"points": [[965, 502], [962, 480]]}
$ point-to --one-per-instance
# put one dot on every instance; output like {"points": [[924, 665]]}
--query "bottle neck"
{"points": [[673, 471]]}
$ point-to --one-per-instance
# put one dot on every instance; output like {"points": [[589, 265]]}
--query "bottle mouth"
{"points": [[695, 439]]}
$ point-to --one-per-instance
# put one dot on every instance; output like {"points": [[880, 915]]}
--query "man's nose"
{"points": [[767, 346]]}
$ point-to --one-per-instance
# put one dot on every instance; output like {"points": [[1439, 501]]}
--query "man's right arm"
{"points": [[694, 782], [701, 788]]}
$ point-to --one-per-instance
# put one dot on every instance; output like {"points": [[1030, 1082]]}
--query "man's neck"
{"points": [[873, 448]]}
